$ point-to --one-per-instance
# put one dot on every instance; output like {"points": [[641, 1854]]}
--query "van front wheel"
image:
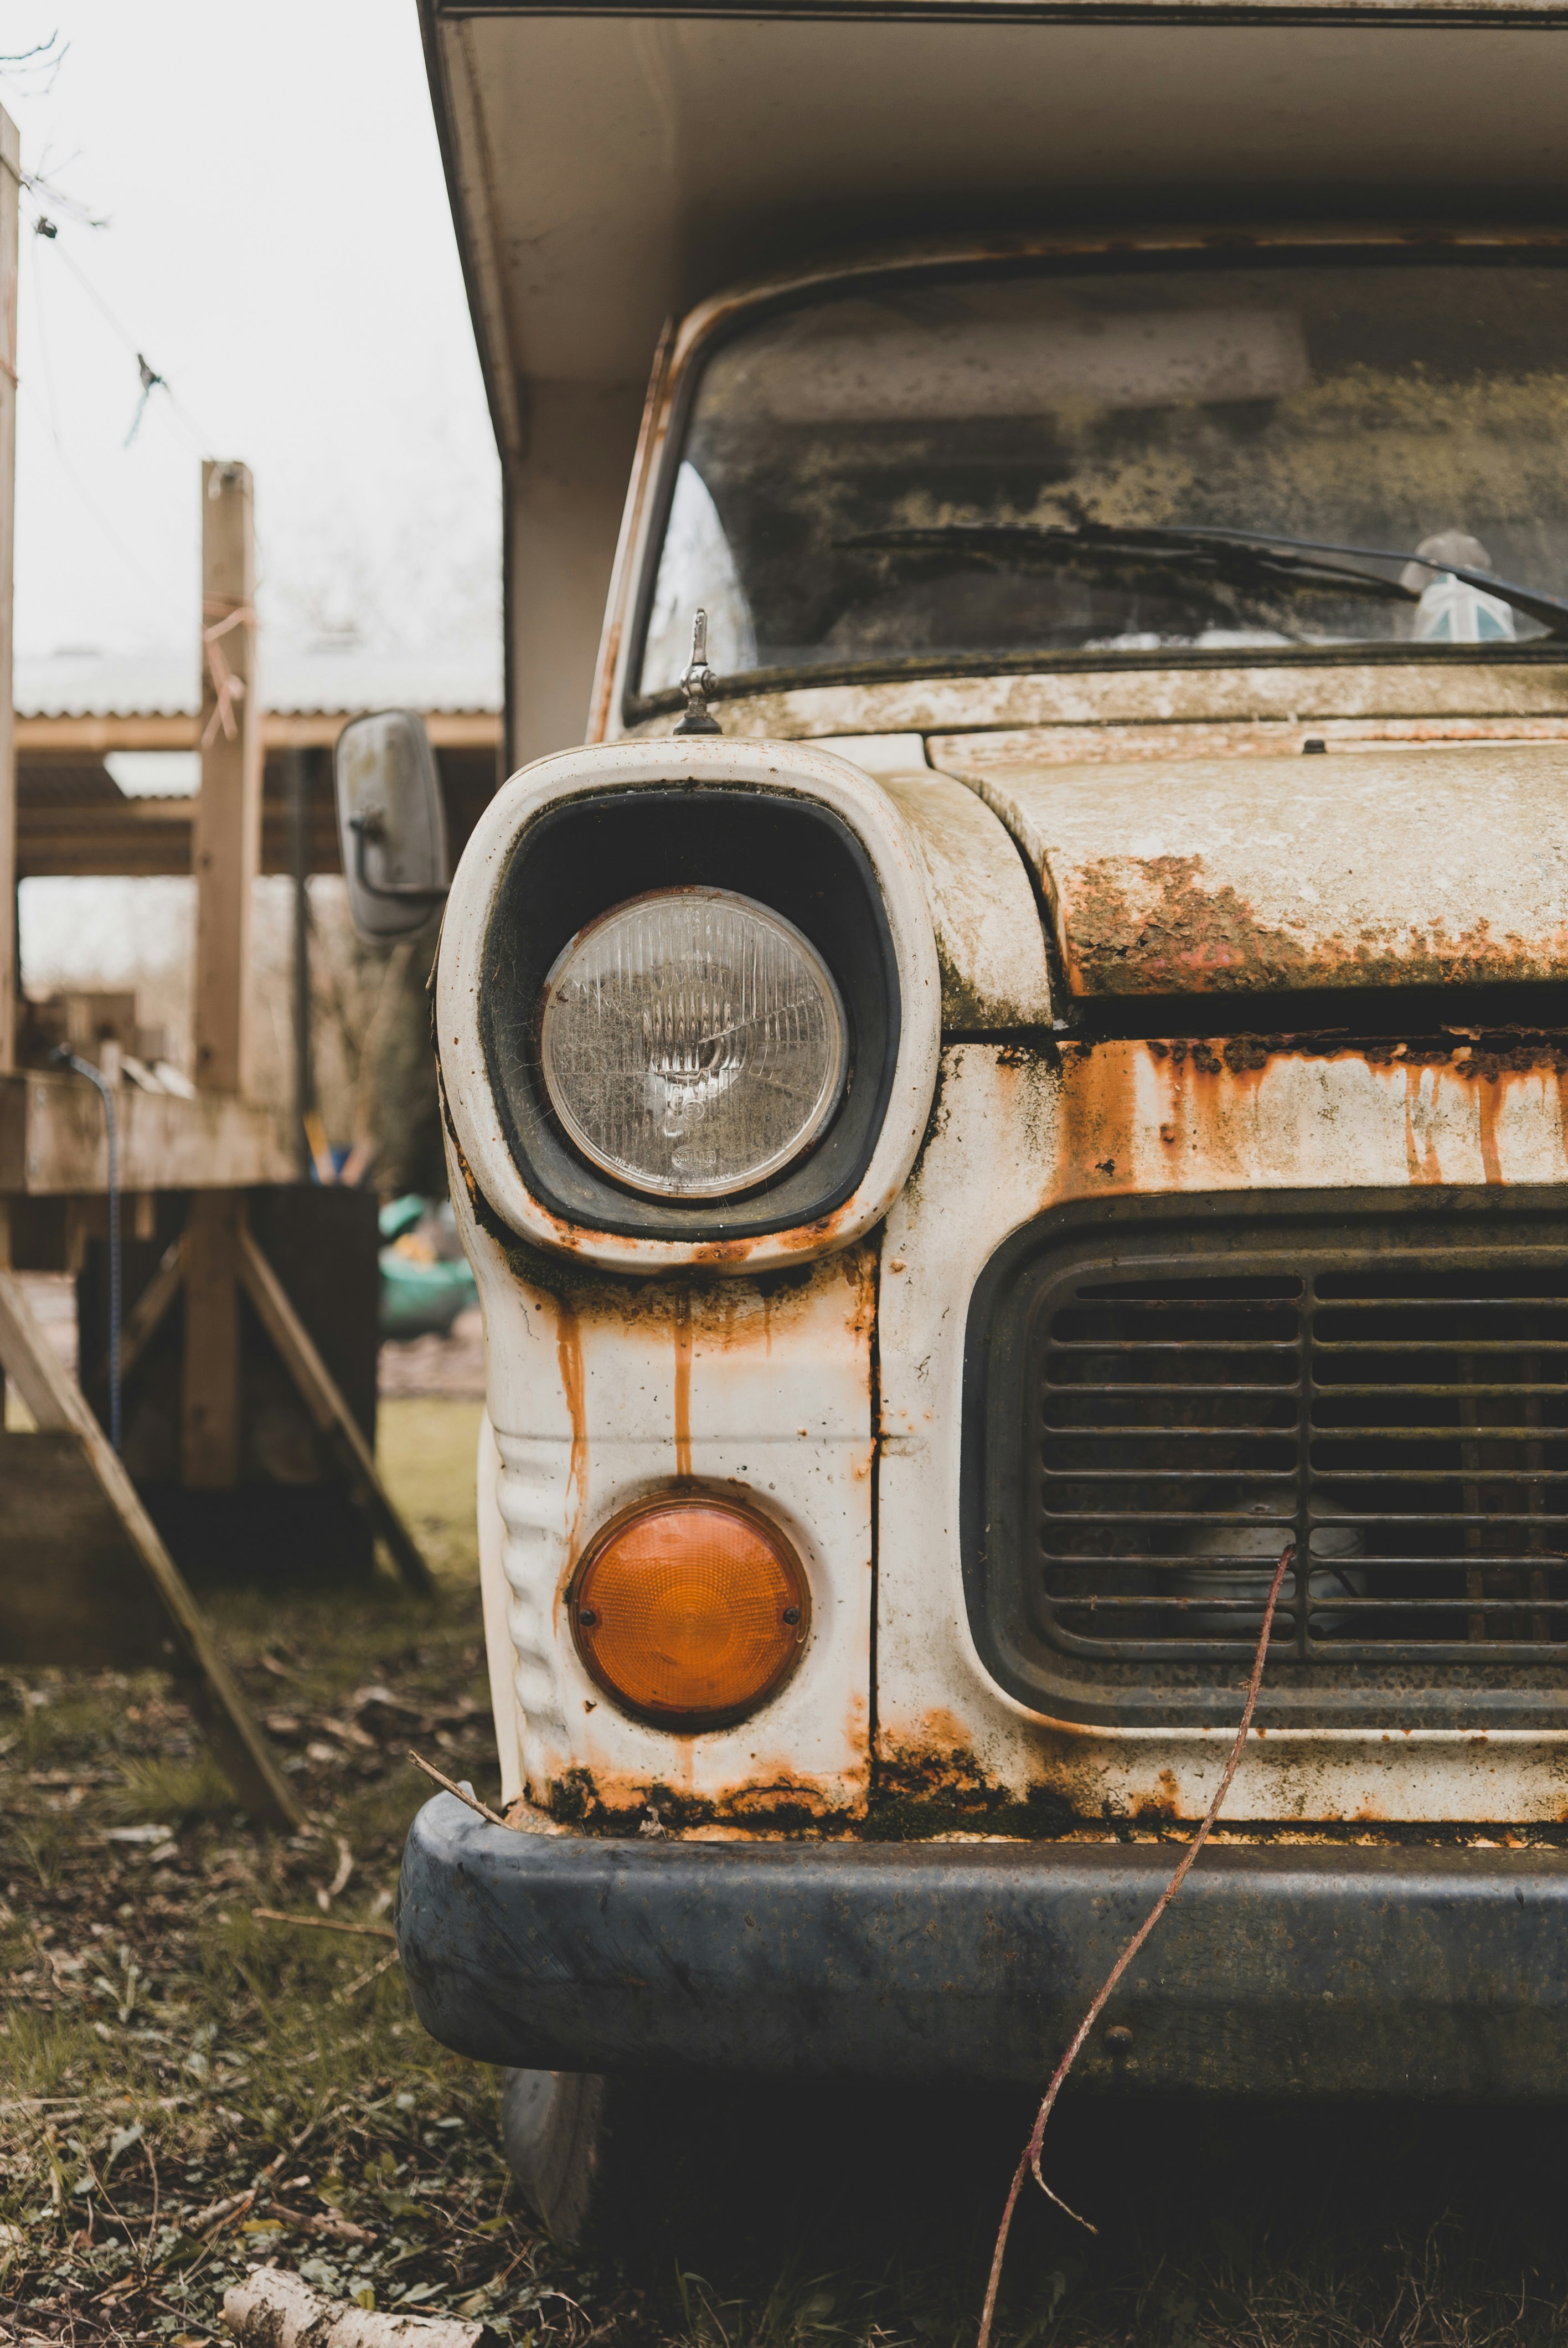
{"points": [[553, 2131]]}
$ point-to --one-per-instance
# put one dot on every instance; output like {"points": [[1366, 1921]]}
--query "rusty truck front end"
{"points": [[1138, 704]]}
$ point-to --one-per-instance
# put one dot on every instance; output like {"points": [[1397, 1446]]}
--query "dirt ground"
{"points": [[187, 2089]]}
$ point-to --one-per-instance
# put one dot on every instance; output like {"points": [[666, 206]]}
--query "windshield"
{"points": [[866, 479]]}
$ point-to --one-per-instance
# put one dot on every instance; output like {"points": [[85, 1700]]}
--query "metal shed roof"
{"points": [[297, 680]]}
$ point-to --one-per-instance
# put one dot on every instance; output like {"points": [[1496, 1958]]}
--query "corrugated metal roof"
{"points": [[298, 680]]}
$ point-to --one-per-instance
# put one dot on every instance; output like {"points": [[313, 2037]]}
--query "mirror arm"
{"points": [[407, 892]]}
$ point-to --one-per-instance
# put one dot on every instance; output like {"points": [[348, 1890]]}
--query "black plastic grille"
{"points": [[1405, 1422]]}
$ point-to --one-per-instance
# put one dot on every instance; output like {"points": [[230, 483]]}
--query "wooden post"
{"points": [[226, 840], [226, 852], [298, 766], [10, 202]]}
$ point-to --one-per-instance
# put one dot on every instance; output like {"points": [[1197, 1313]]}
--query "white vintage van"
{"points": [[1032, 1076]]}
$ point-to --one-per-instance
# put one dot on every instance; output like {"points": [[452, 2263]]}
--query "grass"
{"points": [[162, 2053]]}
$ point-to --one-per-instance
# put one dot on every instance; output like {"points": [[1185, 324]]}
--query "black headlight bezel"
{"points": [[591, 851]]}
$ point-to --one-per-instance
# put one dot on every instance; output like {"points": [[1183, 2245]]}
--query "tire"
{"points": [[553, 2129]]}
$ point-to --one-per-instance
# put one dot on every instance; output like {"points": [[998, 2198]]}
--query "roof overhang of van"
{"points": [[610, 164]]}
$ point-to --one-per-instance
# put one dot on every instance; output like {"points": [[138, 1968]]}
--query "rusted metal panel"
{"points": [[1194, 737], [1120, 690], [602, 1390], [1128, 1118], [983, 911], [1423, 867]]}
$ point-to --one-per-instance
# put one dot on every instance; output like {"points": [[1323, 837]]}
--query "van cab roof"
{"points": [[611, 165]]}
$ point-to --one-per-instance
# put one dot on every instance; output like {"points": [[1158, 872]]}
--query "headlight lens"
{"points": [[693, 1042]]}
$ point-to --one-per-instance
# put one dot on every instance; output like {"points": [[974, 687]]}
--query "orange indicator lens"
{"points": [[688, 1611]]}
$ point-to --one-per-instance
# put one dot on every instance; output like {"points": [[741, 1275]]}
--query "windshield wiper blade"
{"points": [[1164, 542], [1552, 611], [1163, 556]]}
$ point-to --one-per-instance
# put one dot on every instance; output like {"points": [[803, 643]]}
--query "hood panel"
{"points": [[1359, 869]]}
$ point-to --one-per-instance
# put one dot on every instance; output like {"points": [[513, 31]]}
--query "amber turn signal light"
{"points": [[688, 1611]]}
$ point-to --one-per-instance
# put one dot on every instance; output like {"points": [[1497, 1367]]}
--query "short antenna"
{"points": [[698, 683]]}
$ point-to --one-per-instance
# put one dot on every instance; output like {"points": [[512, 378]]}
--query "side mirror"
{"points": [[392, 824]]}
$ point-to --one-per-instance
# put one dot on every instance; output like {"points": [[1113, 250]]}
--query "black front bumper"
{"points": [[1275, 1972]]}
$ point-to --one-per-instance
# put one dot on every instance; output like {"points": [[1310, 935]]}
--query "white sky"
{"points": [[280, 248]]}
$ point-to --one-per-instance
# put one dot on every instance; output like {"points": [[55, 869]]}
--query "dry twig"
{"points": [[371, 1973], [326, 1924], [237, 2203], [1030, 2156], [463, 1793], [332, 2228]]}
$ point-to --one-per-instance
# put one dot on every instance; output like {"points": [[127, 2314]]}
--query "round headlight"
{"points": [[692, 1042]]}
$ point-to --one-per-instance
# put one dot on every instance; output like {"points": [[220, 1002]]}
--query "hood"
{"points": [[1412, 868]]}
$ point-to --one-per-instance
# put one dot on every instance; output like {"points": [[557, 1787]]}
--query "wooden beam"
{"points": [[227, 842], [331, 1413], [10, 200], [211, 1391], [52, 1139], [59, 1406], [145, 1318], [309, 729]]}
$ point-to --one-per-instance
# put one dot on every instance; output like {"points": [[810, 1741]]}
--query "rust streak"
{"points": [[682, 1336], [1099, 1109], [1424, 1167], [568, 1354], [1487, 1103], [1412, 1094]]}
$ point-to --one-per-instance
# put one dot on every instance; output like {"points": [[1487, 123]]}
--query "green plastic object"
{"points": [[419, 1298], [400, 1215]]}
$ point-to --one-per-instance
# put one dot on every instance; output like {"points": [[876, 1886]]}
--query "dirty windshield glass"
{"points": [[941, 468]]}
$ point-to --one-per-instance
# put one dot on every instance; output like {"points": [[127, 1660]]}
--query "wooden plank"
{"points": [[10, 198], [326, 1406], [138, 837], [59, 1406], [227, 839], [211, 1393], [449, 729], [52, 1139], [145, 1317]]}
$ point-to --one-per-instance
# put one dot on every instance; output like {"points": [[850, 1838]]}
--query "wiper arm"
{"points": [[1552, 611], [1255, 574], [1257, 560]]}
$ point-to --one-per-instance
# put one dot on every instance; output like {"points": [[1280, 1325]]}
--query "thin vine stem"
{"points": [[1029, 2158]]}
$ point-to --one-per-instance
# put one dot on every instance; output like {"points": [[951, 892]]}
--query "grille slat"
{"points": [[1405, 1423]]}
